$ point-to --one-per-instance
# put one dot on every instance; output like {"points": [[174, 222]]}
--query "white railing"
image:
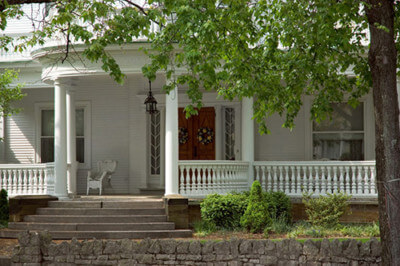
{"points": [[27, 179], [200, 178], [356, 178]]}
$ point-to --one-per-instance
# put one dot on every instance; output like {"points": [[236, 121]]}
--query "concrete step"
{"points": [[95, 218], [74, 204], [138, 204], [92, 226], [99, 211], [11, 233]]}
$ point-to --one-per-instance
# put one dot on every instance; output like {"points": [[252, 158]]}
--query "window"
{"points": [[46, 134], [342, 136]]}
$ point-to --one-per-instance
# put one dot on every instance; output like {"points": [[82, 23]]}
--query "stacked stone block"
{"points": [[38, 249]]}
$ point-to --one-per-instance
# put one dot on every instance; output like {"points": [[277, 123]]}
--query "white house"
{"points": [[74, 112]]}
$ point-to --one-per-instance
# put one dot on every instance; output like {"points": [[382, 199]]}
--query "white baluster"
{"points": [[189, 179], [298, 180], [359, 181], [323, 180], [335, 179], [225, 180], [353, 180], [11, 177], [367, 184], [269, 179], [40, 177], [26, 184], [202, 179], [317, 180], [207, 181], [341, 179], [310, 180], [257, 172], [293, 179], [218, 180], [19, 182], [328, 180], [213, 184], [305, 179], [32, 182], [373, 184], [280, 179], [182, 180], [275, 169], [197, 180], [347, 180], [264, 179], [286, 190]]}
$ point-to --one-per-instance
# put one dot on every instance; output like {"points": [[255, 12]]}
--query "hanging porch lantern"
{"points": [[150, 102]]}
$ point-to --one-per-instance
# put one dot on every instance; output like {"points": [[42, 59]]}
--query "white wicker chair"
{"points": [[104, 171]]}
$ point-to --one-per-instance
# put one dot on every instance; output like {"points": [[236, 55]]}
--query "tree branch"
{"points": [[137, 6]]}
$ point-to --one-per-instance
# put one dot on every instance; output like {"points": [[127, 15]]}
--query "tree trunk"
{"points": [[382, 61]]}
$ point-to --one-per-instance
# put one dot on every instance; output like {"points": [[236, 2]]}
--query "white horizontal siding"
{"points": [[282, 144], [25, 24], [21, 127], [110, 129]]}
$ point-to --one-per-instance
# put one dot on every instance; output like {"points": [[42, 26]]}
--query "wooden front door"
{"points": [[192, 145]]}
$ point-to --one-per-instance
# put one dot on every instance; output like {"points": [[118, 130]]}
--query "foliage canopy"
{"points": [[277, 51]]}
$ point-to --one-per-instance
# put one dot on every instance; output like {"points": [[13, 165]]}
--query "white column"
{"points": [[71, 141], [248, 135], [60, 140], [2, 140], [171, 143]]}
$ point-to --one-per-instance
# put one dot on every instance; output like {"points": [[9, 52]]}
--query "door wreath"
{"points": [[205, 135], [183, 135]]}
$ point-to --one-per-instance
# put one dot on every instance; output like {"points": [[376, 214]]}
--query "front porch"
{"points": [[197, 179]]}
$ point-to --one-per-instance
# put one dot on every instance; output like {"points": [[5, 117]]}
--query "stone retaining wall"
{"points": [[38, 249]]}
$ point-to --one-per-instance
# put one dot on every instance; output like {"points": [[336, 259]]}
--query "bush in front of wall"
{"points": [[4, 207], [224, 211], [325, 211], [280, 206], [257, 215]]}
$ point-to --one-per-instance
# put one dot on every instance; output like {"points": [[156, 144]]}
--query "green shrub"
{"points": [[325, 211], [280, 206], [4, 207], [224, 211], [256, 216]]}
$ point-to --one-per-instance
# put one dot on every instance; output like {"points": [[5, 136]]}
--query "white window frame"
{"points": [[369, 128], [86, 105]]}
